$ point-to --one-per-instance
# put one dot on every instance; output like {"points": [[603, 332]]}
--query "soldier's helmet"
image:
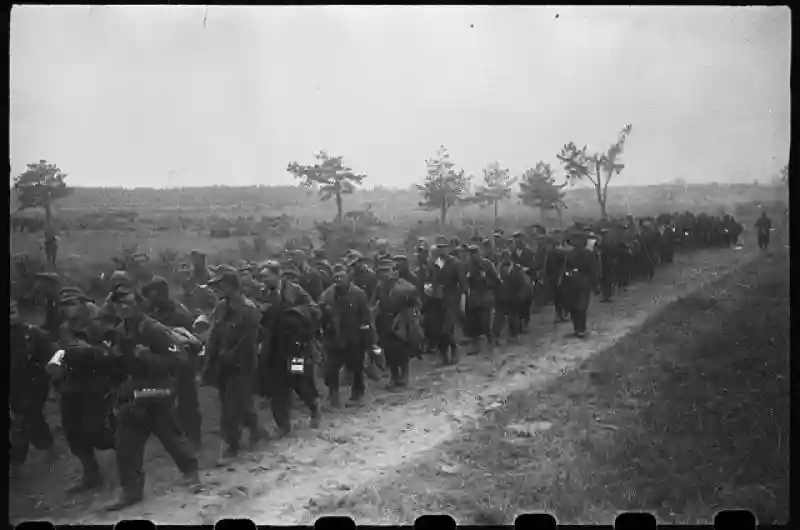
{"points": [[72, 295]]}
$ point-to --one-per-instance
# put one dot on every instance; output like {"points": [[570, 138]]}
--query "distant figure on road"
{"points": [[51, 248], [764, 225]]}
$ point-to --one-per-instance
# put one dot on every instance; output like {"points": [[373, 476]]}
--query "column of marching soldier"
{"points": [[129, 366]]}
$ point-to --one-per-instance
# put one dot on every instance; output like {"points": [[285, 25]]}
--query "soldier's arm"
{"points": [[161, 351], [183, 317], [304, 299], [249, 337]]}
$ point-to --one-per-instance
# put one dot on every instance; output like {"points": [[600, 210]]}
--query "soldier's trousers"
{"points": [[237, 407], [558, 299], [506, 315], [577, 292], [524, 306], [398, 357], [763, 239], [352, 358], [89, 424], [135, 423], [478, 322], [28, 427], [284, 383], [607, 279], [189, 416], [441, 317]]}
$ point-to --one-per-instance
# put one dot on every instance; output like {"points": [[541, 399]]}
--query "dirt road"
{"points": [[283, 482]]}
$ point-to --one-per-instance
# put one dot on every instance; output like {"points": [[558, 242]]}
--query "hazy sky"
{"points": [[148, 96]]}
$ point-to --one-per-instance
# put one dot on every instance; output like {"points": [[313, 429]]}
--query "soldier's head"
{"points": [[577, 239], [125, 302], [474, 253], [291, 273], [271, 273], [519, 241], [387, 270], [341, 275], [156, 291], [201, 327], [13, 312], [228, 285], [401, 262], [72, 303]]}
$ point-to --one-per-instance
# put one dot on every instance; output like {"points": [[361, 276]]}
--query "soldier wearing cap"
{"points": [[579, 277], [320, 262], [231, 354], [174, 314], [447, 284], [347, 334], [482, 280], [523, 256], [30, 348], [150, 357], [310, 279], [364, 277], [554, 262], [86, 379], [404, 270], [509, 296], [397, 322], [283, 347]]}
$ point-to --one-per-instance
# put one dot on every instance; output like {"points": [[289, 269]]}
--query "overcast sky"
{"points": [[148, 96]]}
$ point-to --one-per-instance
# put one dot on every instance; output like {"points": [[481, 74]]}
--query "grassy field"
{"points": [[682, 419]]}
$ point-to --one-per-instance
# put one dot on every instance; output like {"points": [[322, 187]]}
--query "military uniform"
{"points": [[174, 314], [509, 296], [763, 224], [231, 362], [86, 380], [289, 322], [149, 356], [30, 349], [346, 335], [482, 280], [447, 285], [523, 256], [396, 322], [579, 276]]}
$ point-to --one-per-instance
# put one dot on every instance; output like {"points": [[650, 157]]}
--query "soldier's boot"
{"points": [[357, 400], [474, 346], [123, 500], [190, 478], [404, 376], [316, 416], [228, 452], [455, 354], [257, 434], [446, 356], [334, 399], [91, 479], [284, 431]]}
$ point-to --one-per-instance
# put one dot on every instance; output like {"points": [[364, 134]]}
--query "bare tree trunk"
{"points": [[442, 215], [339, 207], [495, 213], [48, 219], [560, 218]]}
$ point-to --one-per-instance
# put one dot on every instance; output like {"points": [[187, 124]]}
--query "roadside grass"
{"points": [[684, 418]]}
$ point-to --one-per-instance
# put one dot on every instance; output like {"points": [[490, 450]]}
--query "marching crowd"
{"points": [[129, 366]]}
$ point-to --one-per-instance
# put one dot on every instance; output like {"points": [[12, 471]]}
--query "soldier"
{"points": [[85, 379], [174, 314], [381, 252], [320, 262], [605, 247], [363, 276], [763, 225], [510, 294], [310, 279], [30, 349], [149, 356], [397, 322], [555, 265], [347, 334], [51, 248], [231, 362], [523, 256], [404, 270], [483, 280], [423, 273], [447, 285], [285, 350], [579, 277]]}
